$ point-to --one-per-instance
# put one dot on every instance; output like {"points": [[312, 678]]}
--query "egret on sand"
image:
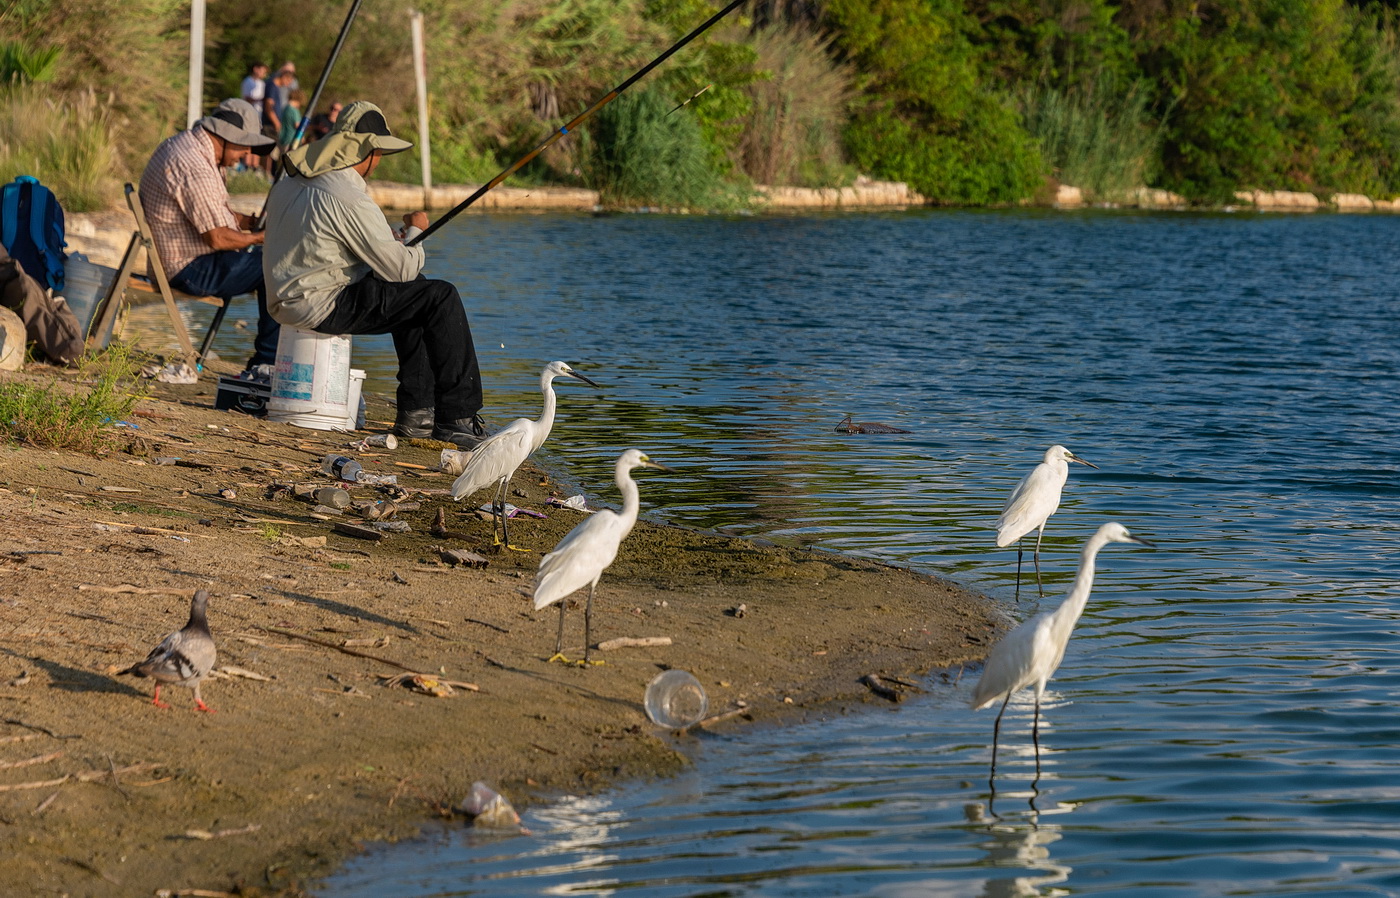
{"points": [[1032, 503], [498, 456], [588, 549], [1030, 654]]}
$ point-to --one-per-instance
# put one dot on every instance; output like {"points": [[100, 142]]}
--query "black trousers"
{"points": [[437, 360]]}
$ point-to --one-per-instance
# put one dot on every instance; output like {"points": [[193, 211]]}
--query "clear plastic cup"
{"points": [[675, 699]]}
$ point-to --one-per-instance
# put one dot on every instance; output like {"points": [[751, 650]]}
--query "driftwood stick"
{"points": [[29, 762], [627, 642], [38, 729], [876, 686]]}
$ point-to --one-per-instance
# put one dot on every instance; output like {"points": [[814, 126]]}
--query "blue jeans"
{"points": [[229, 273]]}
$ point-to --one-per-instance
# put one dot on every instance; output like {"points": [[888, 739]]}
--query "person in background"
{"points": [[334, 265], [278, 92], [207, 248], [322, 122], [255, 84], [291, 119]]}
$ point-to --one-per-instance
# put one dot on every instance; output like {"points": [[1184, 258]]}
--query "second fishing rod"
{"points": [[573, 124]]}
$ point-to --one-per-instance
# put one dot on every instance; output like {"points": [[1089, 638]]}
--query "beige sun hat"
{"points": [[237, 122], [359, 129]]}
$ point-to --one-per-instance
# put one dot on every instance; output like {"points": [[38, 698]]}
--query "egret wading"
{"points": [[582, 556], [497, 458], [1030, 654], [1032, 503]]}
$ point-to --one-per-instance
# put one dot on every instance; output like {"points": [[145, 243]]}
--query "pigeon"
{"points": [[184, 657]]}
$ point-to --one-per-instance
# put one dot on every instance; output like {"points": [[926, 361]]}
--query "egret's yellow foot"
{"points": [[559, 656]]}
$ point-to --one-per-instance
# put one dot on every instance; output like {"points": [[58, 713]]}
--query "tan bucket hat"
{"points": [[237, 122], [359, 129]]}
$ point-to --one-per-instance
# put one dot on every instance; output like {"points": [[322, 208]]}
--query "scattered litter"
{"points": [[204, 835], [675, 699], [374, 441], [120, 489], [229, 670], [462, 556], [512, 511], [399, 578], [392, 526], [489, 809], [369, 479], [305, 542], [173, 373], [627, 642], [228, 492], [739, 610], [577, 503], [454, 461], [428, 684], [356, 531], [21, 680]]}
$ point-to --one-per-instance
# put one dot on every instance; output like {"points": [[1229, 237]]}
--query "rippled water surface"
{"points": [[1224, 721]]}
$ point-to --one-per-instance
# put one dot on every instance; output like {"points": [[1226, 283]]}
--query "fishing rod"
{"points": [[578, 120], [315, 96]]}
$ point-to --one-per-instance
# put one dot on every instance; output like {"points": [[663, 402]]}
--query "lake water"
{"points": [[1225, 718]]}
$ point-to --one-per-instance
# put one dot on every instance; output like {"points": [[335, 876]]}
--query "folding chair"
{"points": [[127, 282]]}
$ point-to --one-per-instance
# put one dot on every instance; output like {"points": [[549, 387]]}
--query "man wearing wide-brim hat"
{"points": [[208, 249], [334, 265]]}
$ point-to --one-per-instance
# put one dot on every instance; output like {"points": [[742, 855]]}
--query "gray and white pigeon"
{"points": [[184, 657]]}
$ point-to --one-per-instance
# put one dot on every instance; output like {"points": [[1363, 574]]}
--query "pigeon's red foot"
{"points": [[205, 708]]}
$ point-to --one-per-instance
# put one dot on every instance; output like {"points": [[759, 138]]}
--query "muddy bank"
{"points": [[101, 793]]}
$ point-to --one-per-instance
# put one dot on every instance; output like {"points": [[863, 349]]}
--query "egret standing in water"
{"points": [[1030, 654], [1032, 503], [498, 456], [588, 549]]}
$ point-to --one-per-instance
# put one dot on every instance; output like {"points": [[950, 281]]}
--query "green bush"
{"points": [[642, 155], [926, 118]]}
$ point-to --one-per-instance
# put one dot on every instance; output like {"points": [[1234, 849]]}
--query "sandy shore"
{"points": [[309, 754]]}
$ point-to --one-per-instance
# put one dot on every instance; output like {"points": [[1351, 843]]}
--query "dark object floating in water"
{"points": [[847, 426]]}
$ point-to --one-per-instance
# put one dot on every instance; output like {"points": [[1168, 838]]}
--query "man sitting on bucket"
{"points": [[334, 265], [203, 244]]}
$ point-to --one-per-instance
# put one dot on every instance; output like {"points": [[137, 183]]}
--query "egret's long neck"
{"points": [[1067, 615], [631, 498], [546, 419]]}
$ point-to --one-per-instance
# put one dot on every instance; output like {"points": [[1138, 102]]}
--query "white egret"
{"points": [[582, 556], [1030, 654], [497, 458], [1032, 503]]}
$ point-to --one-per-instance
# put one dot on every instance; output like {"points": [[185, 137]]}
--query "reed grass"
{"points": [[82, 420], [1098, 142], [66, 141], [792, 134]]}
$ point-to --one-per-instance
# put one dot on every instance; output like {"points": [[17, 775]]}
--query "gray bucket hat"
{"points": [[359, 129], [237, 122]]}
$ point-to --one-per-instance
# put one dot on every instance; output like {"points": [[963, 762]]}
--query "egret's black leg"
{"points": [[996, 735], [1018, 570]]}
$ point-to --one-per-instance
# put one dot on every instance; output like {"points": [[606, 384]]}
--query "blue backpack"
{"points": [[31, 228]]}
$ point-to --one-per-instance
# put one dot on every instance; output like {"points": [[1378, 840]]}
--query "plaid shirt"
{"points": [[183, 193]]}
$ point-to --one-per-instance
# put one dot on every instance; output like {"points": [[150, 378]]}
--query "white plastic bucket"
{"points": [[84, 285], [311, 381]]}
